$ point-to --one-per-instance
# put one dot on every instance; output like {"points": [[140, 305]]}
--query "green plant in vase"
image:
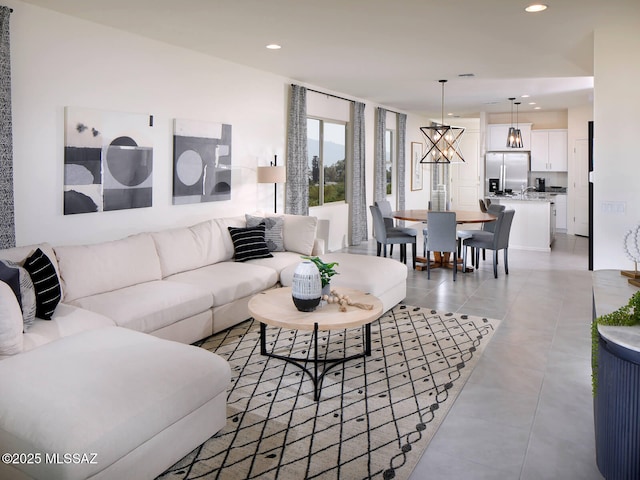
{"points": [[326, 270], [626, 316]]}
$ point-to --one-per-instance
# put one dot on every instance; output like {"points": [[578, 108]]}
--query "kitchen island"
{"points": [[534, 222]]}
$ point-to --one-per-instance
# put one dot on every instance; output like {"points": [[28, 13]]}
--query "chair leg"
{"points": [[378, 248], [506, 262], [391, 251], [427, 255], [464, 258], [495, 263], [477, 257], [413, 250], [455, 264], [424, 247], [403, 253], [384, 250]]}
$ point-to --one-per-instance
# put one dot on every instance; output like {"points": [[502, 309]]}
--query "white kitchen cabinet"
{"points": [[549, 151], [497, 137], [561, 212]]}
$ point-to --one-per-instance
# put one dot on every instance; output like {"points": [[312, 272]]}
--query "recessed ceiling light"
{"points": [[536, 7], [274, 46], [524, 96], [536, 108], [532, 103]]}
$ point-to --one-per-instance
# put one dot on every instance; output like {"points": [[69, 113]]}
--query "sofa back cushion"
{"points": [[299, 233], [91, 269], [188, 248]]}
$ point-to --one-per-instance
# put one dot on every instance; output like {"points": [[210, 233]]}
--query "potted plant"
{"points": [[626, 316], [326, 270]]}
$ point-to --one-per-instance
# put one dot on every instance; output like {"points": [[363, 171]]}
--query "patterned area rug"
{"points": [[375, 417]]}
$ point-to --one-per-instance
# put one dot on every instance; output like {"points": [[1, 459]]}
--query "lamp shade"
{"points": [[273, 174]]}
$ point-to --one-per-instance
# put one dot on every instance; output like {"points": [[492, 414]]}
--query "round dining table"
{"points": [[462, 216]]}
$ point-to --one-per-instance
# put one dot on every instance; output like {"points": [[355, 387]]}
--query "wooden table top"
{"points": [[275, 307], [462, 216]]}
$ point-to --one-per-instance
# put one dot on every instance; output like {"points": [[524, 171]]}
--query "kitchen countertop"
{"points": [[527, 197]]}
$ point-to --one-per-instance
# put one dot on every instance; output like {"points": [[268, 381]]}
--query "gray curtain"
{"points": [[358, 200], [379, 171], [402, 136], [297, 187], [7, 217]]}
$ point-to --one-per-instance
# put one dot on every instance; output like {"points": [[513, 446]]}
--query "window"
{"points": [[389, 157], [326, 145]]}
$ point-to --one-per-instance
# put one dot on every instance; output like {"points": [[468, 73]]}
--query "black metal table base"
{"points": [[316, 376]]}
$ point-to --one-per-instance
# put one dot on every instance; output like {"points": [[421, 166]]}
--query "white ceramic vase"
{"points": [[306, 287]]}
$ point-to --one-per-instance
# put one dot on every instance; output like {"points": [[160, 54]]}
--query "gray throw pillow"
{"points": [[25, 292], [273, 227]]}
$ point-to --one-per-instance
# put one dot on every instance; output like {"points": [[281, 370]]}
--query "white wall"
{"points": [[60, 61], [616, 128]]}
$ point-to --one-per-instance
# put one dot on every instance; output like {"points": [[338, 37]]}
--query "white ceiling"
{"points": [[391, 52]]}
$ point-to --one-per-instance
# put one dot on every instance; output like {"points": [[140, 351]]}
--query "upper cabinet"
{"points": [[497, 137], [549, 151]]}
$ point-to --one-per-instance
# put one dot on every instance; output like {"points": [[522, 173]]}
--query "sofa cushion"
{"points": [[46, 284], [299, 233], [273, 230], [67, 320], [249, 243], [106, 391], [149, 306], [92, 269], [279, 261], [229, 281], [10, 322], [18, 254], [186, 248], [224, 224], [374, 275]]}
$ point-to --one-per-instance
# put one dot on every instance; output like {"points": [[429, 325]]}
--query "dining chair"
{"points": [[463, 235], [496, 240], [442, 237], [389, 236], [387, 215]]}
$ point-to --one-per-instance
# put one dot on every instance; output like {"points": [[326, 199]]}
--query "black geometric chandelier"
{"points": [[443, 141]]}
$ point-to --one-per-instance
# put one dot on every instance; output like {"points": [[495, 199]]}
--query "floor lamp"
{"points": [[273, 174]]}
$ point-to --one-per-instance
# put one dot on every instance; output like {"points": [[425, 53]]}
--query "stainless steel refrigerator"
{"points": [[506, 171]]}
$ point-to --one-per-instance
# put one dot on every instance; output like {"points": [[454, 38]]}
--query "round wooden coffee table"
{"points": [[275, 308]]}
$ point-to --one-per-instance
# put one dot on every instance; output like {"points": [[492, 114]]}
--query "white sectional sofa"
{"points": [[179, 284]]}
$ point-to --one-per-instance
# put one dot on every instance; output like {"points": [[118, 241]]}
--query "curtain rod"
{"points": [[342, 98]]}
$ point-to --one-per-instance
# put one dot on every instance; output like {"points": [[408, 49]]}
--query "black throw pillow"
{"points": [[249, 243], [45, 283]]}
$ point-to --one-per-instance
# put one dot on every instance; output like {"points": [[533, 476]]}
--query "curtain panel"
{"points": [[358, 201], [297, 186], [7, 215], [401, 161], [379, 171]]}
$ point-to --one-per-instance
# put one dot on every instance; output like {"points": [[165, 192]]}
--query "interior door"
{"points": [[465, 177], [581, 188]]}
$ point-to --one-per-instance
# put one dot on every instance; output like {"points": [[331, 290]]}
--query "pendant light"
{"points": [[518, 134], [511, 137], [442, 140]]}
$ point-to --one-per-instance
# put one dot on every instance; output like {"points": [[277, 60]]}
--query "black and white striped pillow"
{"points": [[249, 243], [45, 282]]}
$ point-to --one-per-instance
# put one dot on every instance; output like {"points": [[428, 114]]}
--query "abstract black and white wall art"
{"points": [[108, 161], [201, 162]]}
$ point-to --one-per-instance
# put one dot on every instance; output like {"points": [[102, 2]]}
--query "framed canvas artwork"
{"points": [[108, 160], [201, 162], [416, 166]]}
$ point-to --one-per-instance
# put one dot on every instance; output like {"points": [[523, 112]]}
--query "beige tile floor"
{"points": [[526, 411]]}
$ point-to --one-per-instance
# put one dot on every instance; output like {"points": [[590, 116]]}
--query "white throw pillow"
{"points": [[299, 233], [10, 322]]}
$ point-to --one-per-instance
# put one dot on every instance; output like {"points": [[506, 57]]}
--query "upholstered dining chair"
{"points": [[496, 240], [442, 237], [387, 214], [389, 236], [463, 235]]}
